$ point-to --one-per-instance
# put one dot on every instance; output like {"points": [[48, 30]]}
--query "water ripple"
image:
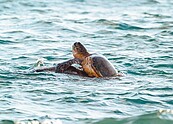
{"points": [[6, 41]]}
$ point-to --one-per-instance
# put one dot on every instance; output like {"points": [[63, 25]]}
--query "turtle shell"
{"points": [[98, 66]]}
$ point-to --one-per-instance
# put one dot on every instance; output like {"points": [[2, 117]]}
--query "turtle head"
{"points": [[79, 51]]}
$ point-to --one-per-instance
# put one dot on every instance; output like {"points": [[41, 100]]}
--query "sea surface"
{"points": [[135, 35]]}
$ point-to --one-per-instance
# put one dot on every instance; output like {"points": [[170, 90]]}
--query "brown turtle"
{"points": [[93, 65]]}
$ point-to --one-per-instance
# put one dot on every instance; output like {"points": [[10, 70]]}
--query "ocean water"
{"points": [[135, 35]]}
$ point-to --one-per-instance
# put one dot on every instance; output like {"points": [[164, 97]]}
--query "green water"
{"points": [[136, 36]]}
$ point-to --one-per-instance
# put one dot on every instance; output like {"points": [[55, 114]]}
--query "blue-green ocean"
{"points": [[135, 35]]}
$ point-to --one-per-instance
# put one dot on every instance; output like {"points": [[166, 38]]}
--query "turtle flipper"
{"points": [[45, 69], [61, 67], [75, 71]]}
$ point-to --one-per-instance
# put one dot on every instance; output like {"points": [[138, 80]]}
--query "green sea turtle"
{"points": [[93, 65]]}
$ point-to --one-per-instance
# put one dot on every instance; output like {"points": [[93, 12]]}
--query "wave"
{"points": [[113, 24], [125, 26], [32, 121], [154, 117], [6, 41], [157, 117], [163, 65]]}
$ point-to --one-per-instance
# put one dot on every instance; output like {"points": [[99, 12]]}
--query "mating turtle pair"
{"points": [[93, 65]]}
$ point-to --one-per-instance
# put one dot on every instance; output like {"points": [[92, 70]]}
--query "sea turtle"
{"points": [[93, 65]]}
